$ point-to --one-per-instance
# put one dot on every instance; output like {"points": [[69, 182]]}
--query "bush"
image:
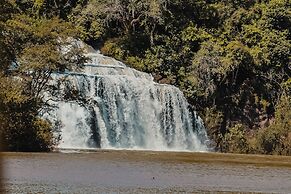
{"points": [[276, 139], [235, 141], [23, 130]]}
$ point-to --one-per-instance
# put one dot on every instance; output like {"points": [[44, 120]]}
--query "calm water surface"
{"points": [[107, 171]]}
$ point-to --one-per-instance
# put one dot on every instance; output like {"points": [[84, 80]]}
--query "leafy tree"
{"points": [[276, 138], [235, 141], [38, 47], [6, 54], [231, 58]]}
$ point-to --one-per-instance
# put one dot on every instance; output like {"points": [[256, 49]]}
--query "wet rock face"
{"points": [[110, 105]]}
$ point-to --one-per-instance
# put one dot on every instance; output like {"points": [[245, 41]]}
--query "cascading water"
{"points": [[109, 105]]}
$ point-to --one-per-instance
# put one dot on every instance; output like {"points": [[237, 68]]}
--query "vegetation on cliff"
{"points": [[230, 58], [31, 50]]}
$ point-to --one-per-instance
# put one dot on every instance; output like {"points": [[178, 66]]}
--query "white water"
{"points": [[118, 107]]}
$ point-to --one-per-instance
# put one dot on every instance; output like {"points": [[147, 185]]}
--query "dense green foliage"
{"points": [[230, 58], [31, 50]]}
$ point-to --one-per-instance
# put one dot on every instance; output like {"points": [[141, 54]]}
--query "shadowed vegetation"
{"points": [[230, 58]]}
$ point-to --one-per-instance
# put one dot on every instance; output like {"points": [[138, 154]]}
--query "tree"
{"points": [[39, 47], [6, 54], [231, 58]]}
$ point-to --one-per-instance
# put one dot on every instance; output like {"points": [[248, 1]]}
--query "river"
{"points": [[111, 171]]}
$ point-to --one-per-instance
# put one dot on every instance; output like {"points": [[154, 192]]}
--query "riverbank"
{"points": [[94, 171], [191, 157]]}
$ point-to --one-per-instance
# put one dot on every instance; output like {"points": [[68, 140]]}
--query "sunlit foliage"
{"points": [[230, 58]]}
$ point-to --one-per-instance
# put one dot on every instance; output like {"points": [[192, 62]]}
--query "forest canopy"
{"points": [[230, 58]]}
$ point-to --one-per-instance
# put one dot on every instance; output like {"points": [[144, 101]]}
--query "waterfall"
{"points": [[111, 106]]}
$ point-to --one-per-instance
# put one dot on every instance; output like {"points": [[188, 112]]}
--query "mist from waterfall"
{"points": [[111, 106]]}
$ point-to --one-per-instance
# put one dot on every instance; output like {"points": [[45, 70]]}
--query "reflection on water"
{"points": [[145, 172]]}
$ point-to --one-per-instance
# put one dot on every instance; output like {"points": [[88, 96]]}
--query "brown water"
{"points": [[107, 171]]}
